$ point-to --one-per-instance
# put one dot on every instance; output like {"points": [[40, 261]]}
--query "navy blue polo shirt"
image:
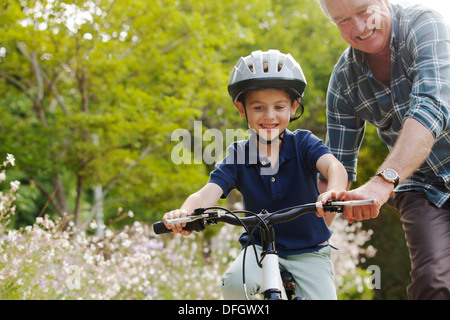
{"points": [[292, 182]]}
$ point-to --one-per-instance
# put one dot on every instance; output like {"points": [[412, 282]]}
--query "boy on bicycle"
{"points": [[275, 169]]}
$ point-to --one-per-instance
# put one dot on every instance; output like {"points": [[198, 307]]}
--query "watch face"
{"points": [[390, 174]]}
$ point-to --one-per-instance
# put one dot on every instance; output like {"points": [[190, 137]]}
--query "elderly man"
{"points": [[396, 75]]}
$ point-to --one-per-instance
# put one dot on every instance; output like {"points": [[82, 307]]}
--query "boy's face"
{"points": [[268, 111]]}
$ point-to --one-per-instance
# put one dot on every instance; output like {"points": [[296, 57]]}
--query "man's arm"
{"points": [[410, 151]]}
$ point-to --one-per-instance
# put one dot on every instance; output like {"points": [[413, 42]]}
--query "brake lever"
{"points": [[197, 216], [352, 203]]}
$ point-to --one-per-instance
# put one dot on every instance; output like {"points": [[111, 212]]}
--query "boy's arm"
{"points": [[336, 186], [205, 197]]}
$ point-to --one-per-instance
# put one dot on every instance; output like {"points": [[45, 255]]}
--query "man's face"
{"points": [[364, 24]]}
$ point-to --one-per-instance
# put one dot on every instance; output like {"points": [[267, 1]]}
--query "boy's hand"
{"points": [[327, 196], [176, 228]]}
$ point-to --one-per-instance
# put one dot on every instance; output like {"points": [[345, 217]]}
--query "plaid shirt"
{"points": [[420, 89]]}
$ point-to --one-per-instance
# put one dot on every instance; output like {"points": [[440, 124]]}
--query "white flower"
{"points": [[10, 158], [15, 185], [93, 224]]}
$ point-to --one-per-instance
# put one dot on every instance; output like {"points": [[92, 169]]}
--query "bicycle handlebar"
{"points": [[202, 217]]}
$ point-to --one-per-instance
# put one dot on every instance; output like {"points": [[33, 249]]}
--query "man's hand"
{"points": [[376, 188]]}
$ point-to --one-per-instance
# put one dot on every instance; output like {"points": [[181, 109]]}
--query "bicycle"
{"points": [[271, 288]]}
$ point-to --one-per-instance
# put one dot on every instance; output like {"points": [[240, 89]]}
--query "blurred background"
{"points": [[91, 92]]}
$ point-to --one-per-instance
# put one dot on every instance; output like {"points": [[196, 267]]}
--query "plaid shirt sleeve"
{"points": [[428, 43], [345, 128]]}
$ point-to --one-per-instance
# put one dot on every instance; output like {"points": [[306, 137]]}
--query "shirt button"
{"points": [[273, 179]]}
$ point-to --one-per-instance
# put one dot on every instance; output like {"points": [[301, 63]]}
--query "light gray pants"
{"points": [[313, 273]]}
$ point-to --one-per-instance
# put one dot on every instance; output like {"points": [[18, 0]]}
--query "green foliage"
{"points": [[392, 258], [94, 90], [355, 286]]}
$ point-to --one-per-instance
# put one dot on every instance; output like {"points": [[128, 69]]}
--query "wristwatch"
{"points": [[391, 176]]}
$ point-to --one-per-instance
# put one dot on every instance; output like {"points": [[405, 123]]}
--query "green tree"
{"points": [[125, 73], [93, 90]]}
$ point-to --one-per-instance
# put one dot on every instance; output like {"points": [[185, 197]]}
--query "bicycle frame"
{"points": [[272, 288]]}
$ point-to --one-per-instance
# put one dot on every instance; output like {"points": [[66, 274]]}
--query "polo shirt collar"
{"points": [[287, 150]]}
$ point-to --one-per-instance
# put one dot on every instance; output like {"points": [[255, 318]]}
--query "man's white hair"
{"points": [[324, 8]]}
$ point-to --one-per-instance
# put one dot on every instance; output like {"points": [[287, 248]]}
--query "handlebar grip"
{"points": [[197, 225], [333, 208], [160, 228]]}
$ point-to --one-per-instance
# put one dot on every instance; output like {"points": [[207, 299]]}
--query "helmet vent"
{"points": [[281, 60], [265, 63], [266, 67]]}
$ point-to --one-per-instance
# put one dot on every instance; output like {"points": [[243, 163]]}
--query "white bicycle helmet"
{"points": [[270, 69]]}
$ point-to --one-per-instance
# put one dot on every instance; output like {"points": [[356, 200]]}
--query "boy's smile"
{"points": [[268, 111]]}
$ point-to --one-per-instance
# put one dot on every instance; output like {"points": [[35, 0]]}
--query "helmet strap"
{"points": [[269, 142]]}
